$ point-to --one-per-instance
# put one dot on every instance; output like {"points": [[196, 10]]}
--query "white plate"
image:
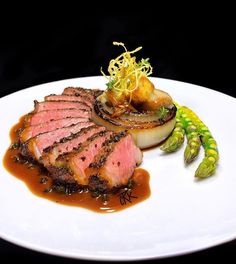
{"points": [[181, 215]]}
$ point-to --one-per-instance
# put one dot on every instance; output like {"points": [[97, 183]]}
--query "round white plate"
{"points": [[182, 215]]}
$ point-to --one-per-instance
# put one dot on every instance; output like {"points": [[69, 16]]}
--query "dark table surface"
{"points": [[220, 253], [193, 50]]}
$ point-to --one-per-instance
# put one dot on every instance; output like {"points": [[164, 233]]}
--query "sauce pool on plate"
{"points": [[40, 184]]}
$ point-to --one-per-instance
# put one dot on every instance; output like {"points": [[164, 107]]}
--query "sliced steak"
{"points": [[77, 161], [35, 146], [68, 144], [68, 98], [60, 135], [47, 116], [90, 94], [115, 163], [50, 105], [32, 131]]}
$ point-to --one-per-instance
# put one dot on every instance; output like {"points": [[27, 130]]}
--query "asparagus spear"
{"points": [[208, 165], [194, 143], [176, 139], [189, 124]]}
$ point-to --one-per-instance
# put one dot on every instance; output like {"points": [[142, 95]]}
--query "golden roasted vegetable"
{"points": [[129, 86]]}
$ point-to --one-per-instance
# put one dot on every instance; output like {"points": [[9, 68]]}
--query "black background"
{"points": [[192, 48], [195, 48]]}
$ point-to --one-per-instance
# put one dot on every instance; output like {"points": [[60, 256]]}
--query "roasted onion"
{"points": [[147, 129]]}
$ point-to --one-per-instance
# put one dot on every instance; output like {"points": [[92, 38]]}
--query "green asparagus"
{"points": [[197, 133], [194, 143], [176, 139], [208, 165]]}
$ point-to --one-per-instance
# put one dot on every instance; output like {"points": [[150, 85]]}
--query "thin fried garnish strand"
{"points": [[125, 72]]}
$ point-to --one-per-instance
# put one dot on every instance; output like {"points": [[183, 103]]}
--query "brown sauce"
{"points": [[40, 185]]}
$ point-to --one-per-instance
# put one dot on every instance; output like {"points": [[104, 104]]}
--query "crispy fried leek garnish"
{"points": [[125, 75]]}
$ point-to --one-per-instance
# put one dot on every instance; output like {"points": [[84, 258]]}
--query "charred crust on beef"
{"points": [[117, 137], [72, 136], [24, 150], [62, 174], [82, 91], [65, 187], [19, 131], [83, 145], [99, 134], [57, 170], [35, 103], [108, 146], [97, 184], [100, 162]]}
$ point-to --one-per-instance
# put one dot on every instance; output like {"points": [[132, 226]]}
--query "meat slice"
{"points": [[115, 163], [90, 94], [51, 105], [35, 146], [68, 98], [77, 161], [68, 144], [32, 131], [47, 116]]}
